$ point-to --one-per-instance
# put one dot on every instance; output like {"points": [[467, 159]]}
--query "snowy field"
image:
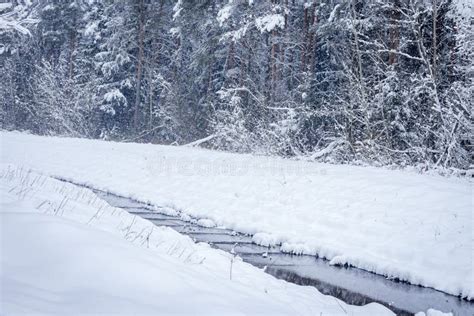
{"points": [[397, 223], [64, 251]]}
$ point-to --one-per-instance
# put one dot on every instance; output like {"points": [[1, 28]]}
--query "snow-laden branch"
{"points": [[201, 141], [392, 51], [15, 19]]}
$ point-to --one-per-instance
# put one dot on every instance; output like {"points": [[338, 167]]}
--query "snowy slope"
{"points": [[396, 223], [66, 252]]}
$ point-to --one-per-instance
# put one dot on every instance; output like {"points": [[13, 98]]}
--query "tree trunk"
{"points": [[435, 44], [311, 40], [360, 75], [72, 48], [394, 32], [154, 62], [273, 61], [305, 35], [141, 35]]}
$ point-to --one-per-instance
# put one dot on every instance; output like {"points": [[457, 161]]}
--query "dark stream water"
{"points": [[352, 285]]}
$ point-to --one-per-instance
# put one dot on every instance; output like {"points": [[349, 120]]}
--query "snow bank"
{"points": [[64, 251], [397, 223]]}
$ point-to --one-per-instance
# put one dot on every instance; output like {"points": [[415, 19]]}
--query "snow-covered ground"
{"points": [[400, 224], [64, 252]]}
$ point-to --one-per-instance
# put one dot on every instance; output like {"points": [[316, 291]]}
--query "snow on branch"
{"points": [[224, 13], [269, 22], [15, 19]]}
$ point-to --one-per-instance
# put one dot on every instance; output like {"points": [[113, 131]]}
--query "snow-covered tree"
{"points": [[379, 81]]}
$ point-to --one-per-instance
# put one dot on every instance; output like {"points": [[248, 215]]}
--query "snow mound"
{"points": [[265, 239], [169, 211], [433, 312], [204, 222]]}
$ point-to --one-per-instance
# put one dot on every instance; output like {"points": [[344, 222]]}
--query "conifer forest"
{"points": [[381, 82]]}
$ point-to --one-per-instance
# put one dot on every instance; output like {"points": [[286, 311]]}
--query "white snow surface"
{"points": [[66, 252], [415, 227]]}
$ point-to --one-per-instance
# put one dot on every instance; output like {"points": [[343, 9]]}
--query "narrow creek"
{"points": [[352, 285]]}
